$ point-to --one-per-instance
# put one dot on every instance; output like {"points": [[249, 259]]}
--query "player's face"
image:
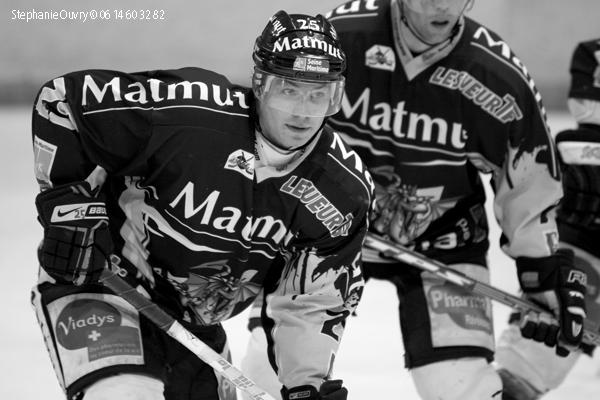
{"points": [[291, 111], [434, 19], [288, 130]]}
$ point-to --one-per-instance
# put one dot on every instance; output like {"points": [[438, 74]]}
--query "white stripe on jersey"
{"points": [[364, 143], [338, 17], [353, 174], [163, 108], [460, 154], [242, 244], [267, 255], [435, 163]]}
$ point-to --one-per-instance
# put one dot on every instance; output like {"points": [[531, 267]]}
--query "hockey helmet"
{"points": [[298, 59], [585, 71], [584, 94]]}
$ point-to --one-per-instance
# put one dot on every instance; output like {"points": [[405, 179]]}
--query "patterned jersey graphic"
{"points": [[213, 293], [404, 211]]}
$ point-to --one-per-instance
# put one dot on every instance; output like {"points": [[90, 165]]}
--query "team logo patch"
{"points": [[241, 161], [380, 57], [214, 293], [43, 154]]}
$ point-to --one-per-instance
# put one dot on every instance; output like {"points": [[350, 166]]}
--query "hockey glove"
{"points": [[329, 390], [77, 239], [555, 284]]}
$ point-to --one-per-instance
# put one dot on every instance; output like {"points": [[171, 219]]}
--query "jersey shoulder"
{"points": [[344, 167], [178, 97], [486, 59], [360, 16], [103, 89], [487, 51]]}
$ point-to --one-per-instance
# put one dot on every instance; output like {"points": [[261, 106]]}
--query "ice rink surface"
{"points": [[371, 356]]}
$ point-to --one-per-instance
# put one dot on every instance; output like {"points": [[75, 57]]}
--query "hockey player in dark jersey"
{"points": [[529, 369], [202, 194], [432, 100]]}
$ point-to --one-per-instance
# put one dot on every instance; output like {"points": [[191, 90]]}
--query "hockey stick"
{"points": [[591, 331], [174, 329]]}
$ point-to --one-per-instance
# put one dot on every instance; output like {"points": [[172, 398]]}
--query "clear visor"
{"points": [[298, 96], [435, 7]]}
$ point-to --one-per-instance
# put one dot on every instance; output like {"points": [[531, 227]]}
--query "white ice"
{"points": [[371, 356]]}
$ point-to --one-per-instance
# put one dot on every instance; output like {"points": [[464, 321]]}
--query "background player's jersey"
{"points": [[427, 124], [192, 214]]}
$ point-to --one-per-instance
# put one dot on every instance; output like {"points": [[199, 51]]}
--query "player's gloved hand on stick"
{"points": [[329, 390], [77, 239], [555, 284]]}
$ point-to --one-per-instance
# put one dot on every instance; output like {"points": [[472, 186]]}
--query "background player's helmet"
{"points": [[584, 94], [300, 55], [585, 71]]}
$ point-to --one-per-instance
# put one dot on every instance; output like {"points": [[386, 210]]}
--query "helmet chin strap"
{"points": [[420, 38]]}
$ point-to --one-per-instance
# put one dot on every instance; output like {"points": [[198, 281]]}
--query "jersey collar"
{"points": [[271, 161], [414, 65]]}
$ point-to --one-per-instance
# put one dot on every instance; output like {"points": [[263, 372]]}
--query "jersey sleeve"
{"points": [[81, 121], [528, 186], [306, 314], [309, 309]]}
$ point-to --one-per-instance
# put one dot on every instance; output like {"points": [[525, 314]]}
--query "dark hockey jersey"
{"points": [[427, 125], [187, 205]]}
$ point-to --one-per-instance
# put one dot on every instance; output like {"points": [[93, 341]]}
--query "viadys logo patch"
{"points": [[98, 326]]}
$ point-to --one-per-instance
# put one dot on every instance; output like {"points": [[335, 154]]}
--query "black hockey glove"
{"points": [[555, 284], [77, 239], [329, 390]]}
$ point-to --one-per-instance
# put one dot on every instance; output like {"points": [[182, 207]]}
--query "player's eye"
{"points": [[288, 91]]}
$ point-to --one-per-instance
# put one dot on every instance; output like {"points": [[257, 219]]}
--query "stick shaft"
{"points": [[178, 332], [591, 334]]}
